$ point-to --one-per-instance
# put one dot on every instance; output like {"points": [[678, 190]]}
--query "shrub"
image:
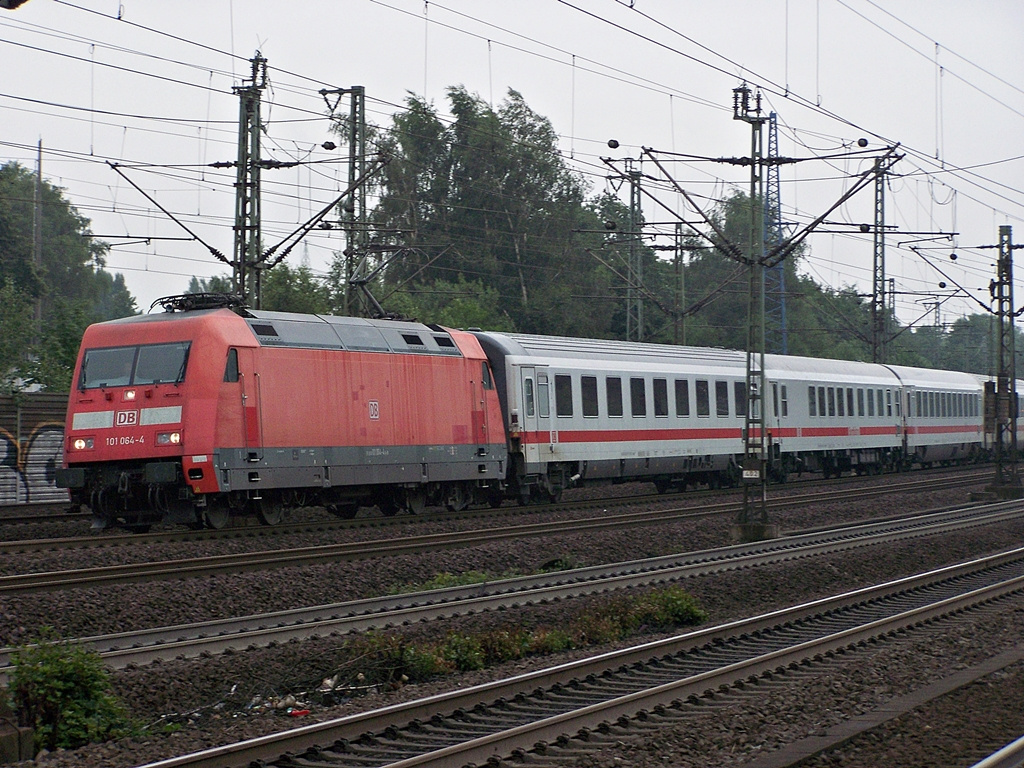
{"points": [[503, 645], [61, 691], [464, 651], [545, 641]]}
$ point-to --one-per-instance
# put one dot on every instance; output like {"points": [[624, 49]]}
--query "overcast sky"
{"points": [[149, 84]]}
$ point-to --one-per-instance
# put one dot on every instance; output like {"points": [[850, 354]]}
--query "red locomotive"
{"points": [[206, 411]]}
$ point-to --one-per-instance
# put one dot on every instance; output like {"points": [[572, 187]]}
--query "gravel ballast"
{"points": [[725, 738]]}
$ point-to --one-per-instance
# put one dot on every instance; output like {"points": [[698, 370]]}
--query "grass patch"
{"points": [[383, 659]]}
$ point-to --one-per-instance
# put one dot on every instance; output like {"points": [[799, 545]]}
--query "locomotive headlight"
{"points": [[82, 443], [129, 394], [168, 438]]}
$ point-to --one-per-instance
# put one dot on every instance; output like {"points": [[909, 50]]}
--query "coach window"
{"points": [[860, 402], [682, 397], [588, 389], [888, 403], [543, 399], [899, 404], [703, 398], [832, 401], [821, 402], [528, 398], [785, 402], [871, 404], [812, 403], [849, 401], [613, 385], [722, 398], [917, 397], [775, 399], [661, 397], [638, 397], [840, 403], [881, 403], [739, 389], [231, 369], [563, 394]]}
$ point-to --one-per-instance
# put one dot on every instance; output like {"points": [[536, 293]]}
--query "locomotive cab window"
{"points": [[145, 364], [485, 375], [231, 368]]}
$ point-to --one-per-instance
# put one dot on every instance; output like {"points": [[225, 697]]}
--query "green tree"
{"points": [[69, 284], [294, 290], [488, 199], [215, 284]]}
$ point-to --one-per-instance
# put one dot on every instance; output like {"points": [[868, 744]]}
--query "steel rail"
{"points": [[503, 741], [130, 573], [217, 636], [249, 529]]}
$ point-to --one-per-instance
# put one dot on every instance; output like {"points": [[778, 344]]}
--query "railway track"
{"points": [[209, 637], [250, 528], [559, 710], [249, 561]]}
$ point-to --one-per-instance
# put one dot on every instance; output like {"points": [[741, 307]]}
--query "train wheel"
{"points": [[269, 511], [415, 501], [457, 498], [216, 516]]}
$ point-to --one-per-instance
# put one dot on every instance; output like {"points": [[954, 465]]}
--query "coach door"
{"points": [[534, 411], [775, 411]]}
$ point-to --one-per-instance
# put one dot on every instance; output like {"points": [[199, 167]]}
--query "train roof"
{"points": [[292, 329], [639, 353], [288, 329]]}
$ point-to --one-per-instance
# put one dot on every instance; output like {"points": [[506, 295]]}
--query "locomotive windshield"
{"points": [[137, 365]]}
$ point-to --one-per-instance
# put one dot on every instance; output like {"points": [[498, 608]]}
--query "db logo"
{"points": [[374, 410], [126, 418]]}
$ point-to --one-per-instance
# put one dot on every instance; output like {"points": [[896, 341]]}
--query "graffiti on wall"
{"points": [[27, 466]]}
